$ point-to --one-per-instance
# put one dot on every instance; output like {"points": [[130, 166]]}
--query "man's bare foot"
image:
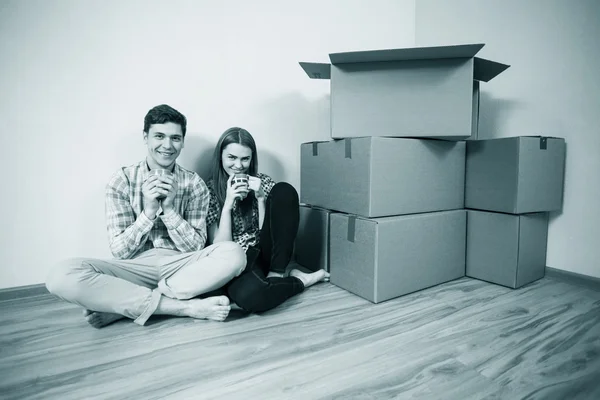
{"points": [[312, 278], [215, 308], [273, 274], [99, 319]]}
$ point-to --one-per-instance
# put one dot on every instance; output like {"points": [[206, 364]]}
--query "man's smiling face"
{"points": [[164, 142]]}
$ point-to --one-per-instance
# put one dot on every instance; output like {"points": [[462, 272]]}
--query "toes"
{"points": [[222, 308], [223, 316], [94, 320], [101, 319], [219, 316], [219, 300], [224, 300]]}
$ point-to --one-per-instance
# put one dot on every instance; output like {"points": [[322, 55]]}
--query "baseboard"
{"points": [[20, 292], [587, 281], [575, 278]]}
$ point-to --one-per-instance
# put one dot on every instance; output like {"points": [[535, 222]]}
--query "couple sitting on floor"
{"points": [[160, 217]]}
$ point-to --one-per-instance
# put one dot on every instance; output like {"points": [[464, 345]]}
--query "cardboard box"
{"points": [[382, 258], [506, 249], [515, 175], [312, 242], [376, 176], [409, 92]]}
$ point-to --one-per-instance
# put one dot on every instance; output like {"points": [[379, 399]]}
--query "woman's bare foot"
{"points": [[215, 308], [312, 278], [99, 319]]}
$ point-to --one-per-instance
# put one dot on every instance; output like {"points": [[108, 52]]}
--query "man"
{"points": [[157, 233]]}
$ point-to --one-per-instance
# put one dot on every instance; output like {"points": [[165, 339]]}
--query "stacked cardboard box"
{"points": [[511, 184], [384, 201], [312, 243]]}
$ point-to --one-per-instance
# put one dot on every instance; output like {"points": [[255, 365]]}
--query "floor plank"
{"points": [[465, 339]]}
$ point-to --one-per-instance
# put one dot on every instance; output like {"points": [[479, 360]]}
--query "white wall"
{"points": [[77, 78], [552, 88]]}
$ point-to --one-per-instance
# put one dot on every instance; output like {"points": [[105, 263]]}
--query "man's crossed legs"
{"points": [[158, 281]]}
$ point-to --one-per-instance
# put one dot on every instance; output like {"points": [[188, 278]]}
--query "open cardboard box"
{"points": [[410, 92]]}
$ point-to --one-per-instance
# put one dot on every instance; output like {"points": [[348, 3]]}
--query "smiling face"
{"points": [[236, 158], [164, 142]]}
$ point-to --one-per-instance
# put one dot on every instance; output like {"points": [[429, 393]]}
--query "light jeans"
{"points": [[133, 288]]}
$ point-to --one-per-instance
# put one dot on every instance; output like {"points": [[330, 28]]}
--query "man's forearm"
{"points": [[128, 242], [185, 237]]}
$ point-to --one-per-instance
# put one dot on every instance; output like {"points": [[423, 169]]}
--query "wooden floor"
{"points": [[466, 339]]}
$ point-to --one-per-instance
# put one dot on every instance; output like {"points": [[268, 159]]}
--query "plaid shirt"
{"points": [[130, 232], [244, 237]]}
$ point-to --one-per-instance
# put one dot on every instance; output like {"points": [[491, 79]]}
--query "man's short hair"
{"points": [[162, 114]]}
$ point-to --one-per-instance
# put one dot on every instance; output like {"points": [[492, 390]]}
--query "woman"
{"points": [[262, 216]]}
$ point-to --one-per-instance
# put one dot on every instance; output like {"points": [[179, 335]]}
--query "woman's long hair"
{"points": [[219, 176]]}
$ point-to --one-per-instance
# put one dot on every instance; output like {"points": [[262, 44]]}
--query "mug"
{"points": [[240, 178], [161, 172]]}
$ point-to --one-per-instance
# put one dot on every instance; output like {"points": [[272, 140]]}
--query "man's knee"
{"points": [[234, 257], [63, 280], [229, 259]]}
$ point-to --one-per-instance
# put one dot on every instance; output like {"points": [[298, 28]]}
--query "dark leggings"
{"points": [[252, 290]]}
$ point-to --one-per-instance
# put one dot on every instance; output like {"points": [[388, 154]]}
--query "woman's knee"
{"points": [[284, 191], [63, 279]]}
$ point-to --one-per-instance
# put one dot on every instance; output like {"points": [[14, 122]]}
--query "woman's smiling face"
{"points": [[236, 159]]}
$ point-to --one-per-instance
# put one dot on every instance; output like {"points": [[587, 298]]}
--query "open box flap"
{"points": [[410, 53], [317, 70], [486, 70]]}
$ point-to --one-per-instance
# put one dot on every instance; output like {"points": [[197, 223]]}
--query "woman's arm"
{"points": [[221, 231], [262, 185], [219, 222], [261, 212]]}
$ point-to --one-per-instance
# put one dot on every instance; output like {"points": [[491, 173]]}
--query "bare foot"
{"points": [[312, 278], [99, 319], [215, 308], [273, 274]]}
